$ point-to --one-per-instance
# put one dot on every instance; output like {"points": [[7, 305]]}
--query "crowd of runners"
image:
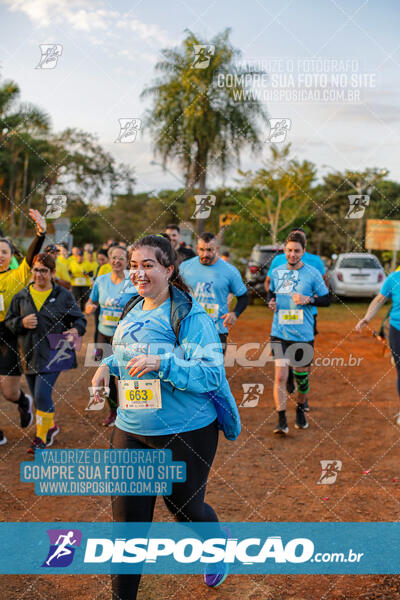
{"points": [[162, 315]]}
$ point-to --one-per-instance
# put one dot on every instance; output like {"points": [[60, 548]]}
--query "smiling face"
{"points": [[294, 252], [118, 260], [148, 276], [174, 236], [5, 256], [41, 275]]}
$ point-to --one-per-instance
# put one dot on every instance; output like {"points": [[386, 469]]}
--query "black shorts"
{"points": [[315, 325], [10, 361], [223, 338], [298, 357]]}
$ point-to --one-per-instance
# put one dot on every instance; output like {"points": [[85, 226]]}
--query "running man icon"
{"points": [[63, 543], [64, 346]]}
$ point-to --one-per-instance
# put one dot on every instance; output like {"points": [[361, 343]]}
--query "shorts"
{"points": [[299, 357], [10, 361], [223, 338]]}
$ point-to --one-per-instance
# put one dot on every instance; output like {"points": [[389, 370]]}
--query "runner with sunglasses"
{"points": [[46, 319]]}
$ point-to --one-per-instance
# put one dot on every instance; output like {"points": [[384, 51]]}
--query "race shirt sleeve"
{"points": [[22, 274], [387, 288], [271, 275], [272, 266], [94, 294], [111, 363], [319, 265], [319, 287], [203, 368], [236, 285]]}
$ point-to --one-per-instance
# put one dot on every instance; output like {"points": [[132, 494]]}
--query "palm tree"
{"points": [[20, 126], [198, 122]]}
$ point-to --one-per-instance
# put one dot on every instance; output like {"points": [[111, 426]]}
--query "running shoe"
{"points": [[51, 434], [306, 407], [25, 410], [301, 421], [37, 444], [3, 439], [282, 427], [213, 579], [290, 387], [109, 422]]}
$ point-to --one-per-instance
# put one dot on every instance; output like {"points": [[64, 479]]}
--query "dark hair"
{"points": [[117, 247], [102, 251], [166, 256], [9, 243], [296, 237], [173, 226], [299, 229], [207, 236], [226, 253], [45, 259]]}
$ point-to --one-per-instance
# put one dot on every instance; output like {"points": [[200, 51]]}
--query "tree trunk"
{"points": [[200, 223], [22, 218]]}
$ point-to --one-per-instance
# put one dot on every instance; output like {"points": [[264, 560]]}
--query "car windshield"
{"points": [[359, 262]]}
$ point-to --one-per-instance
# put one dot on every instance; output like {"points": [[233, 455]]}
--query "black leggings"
{"points": [[197, 448], [113, 398], [394, 343], [81, 294]]}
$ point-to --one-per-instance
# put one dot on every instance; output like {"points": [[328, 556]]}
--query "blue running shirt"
{"points": [[111, 298], [391, 289], [150, 332], [297, 325], [308, 259], [211, 286]]}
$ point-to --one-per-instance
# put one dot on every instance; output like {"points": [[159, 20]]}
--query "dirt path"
{"points": [[351, 420]]}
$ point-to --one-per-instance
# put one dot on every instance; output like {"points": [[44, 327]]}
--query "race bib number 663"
{"points": [[139, 395]]}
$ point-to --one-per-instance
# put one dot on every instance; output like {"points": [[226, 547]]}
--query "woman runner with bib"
{"points": [[110, 293], [184, 400], [45, 318]]}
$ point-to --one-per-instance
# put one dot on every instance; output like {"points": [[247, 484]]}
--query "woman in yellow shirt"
{"points": [[80, 272], [11, 282], [45, 318]]}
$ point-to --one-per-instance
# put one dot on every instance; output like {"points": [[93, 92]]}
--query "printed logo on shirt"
{"points": [[204, 289], [287, 281]]}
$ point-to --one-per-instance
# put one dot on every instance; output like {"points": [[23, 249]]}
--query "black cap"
{"points": [[51, 248]]}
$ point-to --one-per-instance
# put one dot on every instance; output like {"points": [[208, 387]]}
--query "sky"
{"points": [[333, 72]]}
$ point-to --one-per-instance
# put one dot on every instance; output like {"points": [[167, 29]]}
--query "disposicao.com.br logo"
{"points": [[176, 548]]}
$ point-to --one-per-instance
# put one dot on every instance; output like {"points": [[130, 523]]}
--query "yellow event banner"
{"points": [[382, 235]]}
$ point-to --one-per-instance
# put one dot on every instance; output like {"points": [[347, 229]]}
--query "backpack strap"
{"points": [[181, 305], [129, 305]]}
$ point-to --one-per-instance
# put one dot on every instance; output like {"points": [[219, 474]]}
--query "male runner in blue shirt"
{"points": [[308, 259], [295, 288], [211, 280]]}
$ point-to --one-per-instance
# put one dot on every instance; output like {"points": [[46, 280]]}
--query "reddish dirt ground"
{"points": [[256, 478]]}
